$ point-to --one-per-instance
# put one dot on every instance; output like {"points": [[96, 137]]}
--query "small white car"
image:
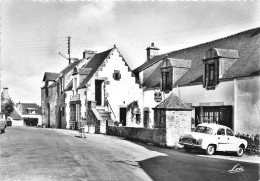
{"points": [[211, 138]]}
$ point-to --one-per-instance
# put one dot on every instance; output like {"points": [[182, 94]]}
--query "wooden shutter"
{"points": [[216, 78]]}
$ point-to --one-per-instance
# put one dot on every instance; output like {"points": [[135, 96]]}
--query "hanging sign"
{"points": [[158, 97]]}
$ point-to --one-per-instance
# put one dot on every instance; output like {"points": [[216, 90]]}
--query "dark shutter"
{"points": [[216, 78], [170, 81], [119, 76], [207, 74], [204, 75]]}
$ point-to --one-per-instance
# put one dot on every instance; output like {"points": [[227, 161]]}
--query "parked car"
{"points": [[211, 138], [8, 122], [2, 123]]}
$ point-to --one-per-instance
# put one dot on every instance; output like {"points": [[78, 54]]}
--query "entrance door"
{"points": [[123, 116], [59, 118], [98, 92], [146, 119], [72, 116], [49, 116]]}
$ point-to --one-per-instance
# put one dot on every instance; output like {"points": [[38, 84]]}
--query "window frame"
{"points": [[166, 75]]}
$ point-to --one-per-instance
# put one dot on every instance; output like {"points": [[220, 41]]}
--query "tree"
{"points": [[7, 107]]}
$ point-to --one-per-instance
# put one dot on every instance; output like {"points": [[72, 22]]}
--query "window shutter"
{"points": [[170, 81], [114, 76], [163, 81], [204, 75], [216, 78], [207, 75]]}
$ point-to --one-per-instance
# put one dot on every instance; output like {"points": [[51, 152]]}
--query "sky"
{"points": [[33, 32]]}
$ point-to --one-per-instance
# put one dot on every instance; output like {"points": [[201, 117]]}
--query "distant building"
{"points": [[30, 112]]}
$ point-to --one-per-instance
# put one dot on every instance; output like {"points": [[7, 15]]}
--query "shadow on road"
{"points": [[180, 165]]}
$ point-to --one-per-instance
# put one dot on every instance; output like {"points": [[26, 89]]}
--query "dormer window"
{"points": [[172, 70], [166, 79], [117, 75], [211, 74], [217, 63]]}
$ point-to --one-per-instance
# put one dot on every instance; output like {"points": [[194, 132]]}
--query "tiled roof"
{"points": [[247, 44], [94, 64], [149, 63], [70, 67], [15, 115], [50, 76], [32, 106], [173, 103], [69, 86]]}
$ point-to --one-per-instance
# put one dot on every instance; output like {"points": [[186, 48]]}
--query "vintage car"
{"points": [[2, 123], [211, 138]]}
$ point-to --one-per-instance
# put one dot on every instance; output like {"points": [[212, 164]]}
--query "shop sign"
{"points": [[158, 97]]}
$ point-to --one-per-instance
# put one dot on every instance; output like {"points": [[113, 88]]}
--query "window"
{"points": [[166, 79], [211, 74], [221, 131], [229, 132], [117, 75], [61, 85], [58, 88], [46, 88], [204, 129], [138, 118], [63, 111]]}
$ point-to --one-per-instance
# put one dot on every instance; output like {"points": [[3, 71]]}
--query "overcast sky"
{"points": [[33, 32]]}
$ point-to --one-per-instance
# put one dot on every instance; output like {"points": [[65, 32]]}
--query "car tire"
{"points": [[210, 150], [240, 151], [188, 149]]}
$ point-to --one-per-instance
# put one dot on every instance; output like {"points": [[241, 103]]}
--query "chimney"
{"points": [[88, 54], [5, 95], [152, 51]]}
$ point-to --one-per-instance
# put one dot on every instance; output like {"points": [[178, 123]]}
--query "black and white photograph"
{"points": [[129, 90]]}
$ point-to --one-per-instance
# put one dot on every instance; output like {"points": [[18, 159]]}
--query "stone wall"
{"points": [[156, 136], [177, 123]]}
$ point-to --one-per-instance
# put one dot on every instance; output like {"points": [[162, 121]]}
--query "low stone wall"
{"points": [[156, 136]]}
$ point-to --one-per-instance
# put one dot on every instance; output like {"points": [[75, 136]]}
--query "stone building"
{"points": [[97, 89], [219, 79]]}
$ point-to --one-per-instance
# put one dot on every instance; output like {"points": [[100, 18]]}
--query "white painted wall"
{"points": [[122, 92], [247, 106], [195, 94]]}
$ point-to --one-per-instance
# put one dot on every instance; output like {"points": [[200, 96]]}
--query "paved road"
{"points": [[50, 154]]}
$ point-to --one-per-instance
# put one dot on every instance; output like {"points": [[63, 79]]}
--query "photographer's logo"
{"points": [[237, 168]]}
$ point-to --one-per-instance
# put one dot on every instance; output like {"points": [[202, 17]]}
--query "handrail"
{"points": [[111, 108]]}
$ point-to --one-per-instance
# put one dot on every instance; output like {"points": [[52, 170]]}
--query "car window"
{"points": [[229, 132], [221, 131], [203, 129]]}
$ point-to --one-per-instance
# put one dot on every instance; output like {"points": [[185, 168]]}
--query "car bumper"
{"points": [[190, 145]]}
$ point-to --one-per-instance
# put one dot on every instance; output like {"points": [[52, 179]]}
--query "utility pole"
{"points": [[69, 49]]}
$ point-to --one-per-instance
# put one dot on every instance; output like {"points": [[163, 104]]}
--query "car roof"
{"points": [[213, 125]]}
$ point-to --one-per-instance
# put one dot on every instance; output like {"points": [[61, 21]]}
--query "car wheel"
{"points": [[210, 150], [240, 151], [188, 149]]}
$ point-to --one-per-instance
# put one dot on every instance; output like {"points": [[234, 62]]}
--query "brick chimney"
{"points": [[152, 51], [87, 54]]}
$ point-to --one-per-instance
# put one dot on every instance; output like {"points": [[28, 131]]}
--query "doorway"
{"points": [[122, 111], [99, 92], [49, 116]]}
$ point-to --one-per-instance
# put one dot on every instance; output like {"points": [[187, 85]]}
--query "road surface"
{"points": [[29, 153]]}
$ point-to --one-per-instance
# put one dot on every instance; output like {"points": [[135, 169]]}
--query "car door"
{"points": [[222, 139], [231, 141]]}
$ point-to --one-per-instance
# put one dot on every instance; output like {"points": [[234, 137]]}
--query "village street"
{"points": [[29, 153]]}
